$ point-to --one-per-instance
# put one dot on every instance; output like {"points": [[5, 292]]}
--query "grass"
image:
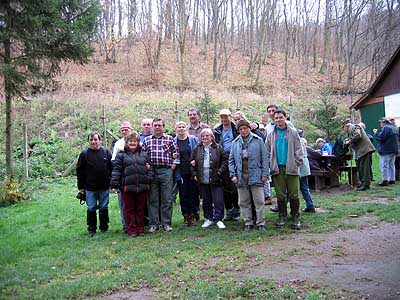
{"points": [[46, 254]]}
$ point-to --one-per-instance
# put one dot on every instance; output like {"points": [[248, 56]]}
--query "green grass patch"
{"points": [[46, 253]]}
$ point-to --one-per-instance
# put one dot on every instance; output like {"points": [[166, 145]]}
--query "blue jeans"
{"points": [[305, 191], [97, 199], [387, 166]]}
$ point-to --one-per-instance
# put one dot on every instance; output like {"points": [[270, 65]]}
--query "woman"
{"points": [[131, 175], [209, 166], [188, 192]]}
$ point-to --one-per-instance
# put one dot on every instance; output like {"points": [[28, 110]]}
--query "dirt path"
{"points": [[362, 263]]}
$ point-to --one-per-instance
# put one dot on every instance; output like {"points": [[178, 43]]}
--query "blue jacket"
{"points": [[326, 147], [193, 141], [258, 160], [387, 140]]}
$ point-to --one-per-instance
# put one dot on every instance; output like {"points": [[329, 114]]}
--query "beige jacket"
{"points": [[295, 152]]}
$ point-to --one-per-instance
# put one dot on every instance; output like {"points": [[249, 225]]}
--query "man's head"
{"points": [[392, 120], [94, 139], [271, 110], [237, 116], [320, 142], [158, 127], [280, 118], [146, 125], [384, 121], [125, 128], [226, 117], [243, 127], [346, 125], [194, 116]]}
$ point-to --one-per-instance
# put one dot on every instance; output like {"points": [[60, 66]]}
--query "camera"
{"points": [[82, 197]]}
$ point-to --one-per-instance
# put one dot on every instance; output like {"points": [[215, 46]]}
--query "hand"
{"points": [[82, 190], [253, 126], [195, 178], [175, 155], [374, 130], [346, 142], [264, 178], [193, 163], [147, 166], [234, 179], [173, 166]]}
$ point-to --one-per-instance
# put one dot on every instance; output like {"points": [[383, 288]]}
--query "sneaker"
{"points": [[207, 223], [152, 228], [221, 225], [167, 228]]}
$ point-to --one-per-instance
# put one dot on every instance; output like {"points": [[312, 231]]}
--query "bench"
{"points": [[323, 179], [352, 174]]}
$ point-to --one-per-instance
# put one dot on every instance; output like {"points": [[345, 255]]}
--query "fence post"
{"points": [[25, 153]]}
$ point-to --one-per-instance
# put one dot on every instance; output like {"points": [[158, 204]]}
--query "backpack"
{"points": [[339, 149]]}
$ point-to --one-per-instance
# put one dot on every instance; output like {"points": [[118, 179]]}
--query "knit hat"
{"points": [[125, 124], [242, 123]]}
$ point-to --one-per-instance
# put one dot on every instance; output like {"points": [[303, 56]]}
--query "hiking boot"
{"points": [[383, 183], [296, 222], [268, 200], [104, 220], [363, 188], [193, 220], [186, 220], [310, 210], [281, 221], [248, 227], [207, 223], [391, 182]]}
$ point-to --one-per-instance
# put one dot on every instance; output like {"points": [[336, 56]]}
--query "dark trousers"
{"points": [[188, 195], [134, 205], [213, 201], [231, 198], [364, 168]]}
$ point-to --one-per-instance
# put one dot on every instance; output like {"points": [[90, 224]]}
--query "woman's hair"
{"points": [[179, 123], [133, 136], [209, 131]]}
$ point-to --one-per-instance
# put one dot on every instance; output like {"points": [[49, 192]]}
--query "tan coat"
{"points": [[359, 141], [295, 154]]}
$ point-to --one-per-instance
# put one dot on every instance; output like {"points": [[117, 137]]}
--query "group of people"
{"points": [[230, 168]]}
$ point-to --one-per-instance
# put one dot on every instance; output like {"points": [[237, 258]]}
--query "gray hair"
{"points": [[209, 131]]}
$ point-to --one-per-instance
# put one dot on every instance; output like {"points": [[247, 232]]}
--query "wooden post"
{"points": [[104, 127], [291, 113], [25, 154], [176, 112]]}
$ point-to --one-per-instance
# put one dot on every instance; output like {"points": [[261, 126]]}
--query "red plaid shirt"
{"points": [[160, 149], [196, 131]]}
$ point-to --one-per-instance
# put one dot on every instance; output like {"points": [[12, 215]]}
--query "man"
{"points": [[237, 116], [248, 170], [195, 126], [387, 149], [126, 129], [323, 146], [363, 149], [94, 173], [397, 160], [224, 134], [146, 125], [285, 155], [162, 151]]}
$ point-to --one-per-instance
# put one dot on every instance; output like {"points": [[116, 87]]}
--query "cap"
{"points": [[320, 140], [261, 127], [225, 112], [125, 124], [384, 119], [242, 123], [392, 119]]}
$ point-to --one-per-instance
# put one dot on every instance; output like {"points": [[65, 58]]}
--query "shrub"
{"points": [[12, 191]]}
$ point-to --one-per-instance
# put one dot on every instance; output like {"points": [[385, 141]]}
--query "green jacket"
{"points": [[359, 141]]}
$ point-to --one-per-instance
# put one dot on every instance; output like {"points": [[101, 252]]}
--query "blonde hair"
{"points": [[180, 123]]}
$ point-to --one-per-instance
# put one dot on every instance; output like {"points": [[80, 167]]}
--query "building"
{"points": [[383, 97]]}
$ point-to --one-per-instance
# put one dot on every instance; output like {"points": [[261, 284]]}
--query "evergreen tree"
{"points": [[36, 36], [209, 110]]}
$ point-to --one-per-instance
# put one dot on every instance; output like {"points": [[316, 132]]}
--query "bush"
{"points": [[12, 191]]}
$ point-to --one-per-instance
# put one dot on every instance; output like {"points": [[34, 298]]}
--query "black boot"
{"points": [[104, 220], [91, 220], [282, 208]]}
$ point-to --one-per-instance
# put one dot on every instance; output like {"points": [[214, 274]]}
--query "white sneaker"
{"points": [[221, 225], [207, 223]]}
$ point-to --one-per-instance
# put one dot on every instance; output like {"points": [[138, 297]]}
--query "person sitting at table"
{"points": [[324, 147], [314, 158]]}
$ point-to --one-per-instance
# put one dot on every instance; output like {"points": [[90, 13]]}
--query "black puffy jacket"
{"points": [[129, 172]]}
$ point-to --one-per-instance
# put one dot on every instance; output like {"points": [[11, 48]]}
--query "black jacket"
{"points": [[218, 133], [129, 172], [218, 163], [94, 169]]}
